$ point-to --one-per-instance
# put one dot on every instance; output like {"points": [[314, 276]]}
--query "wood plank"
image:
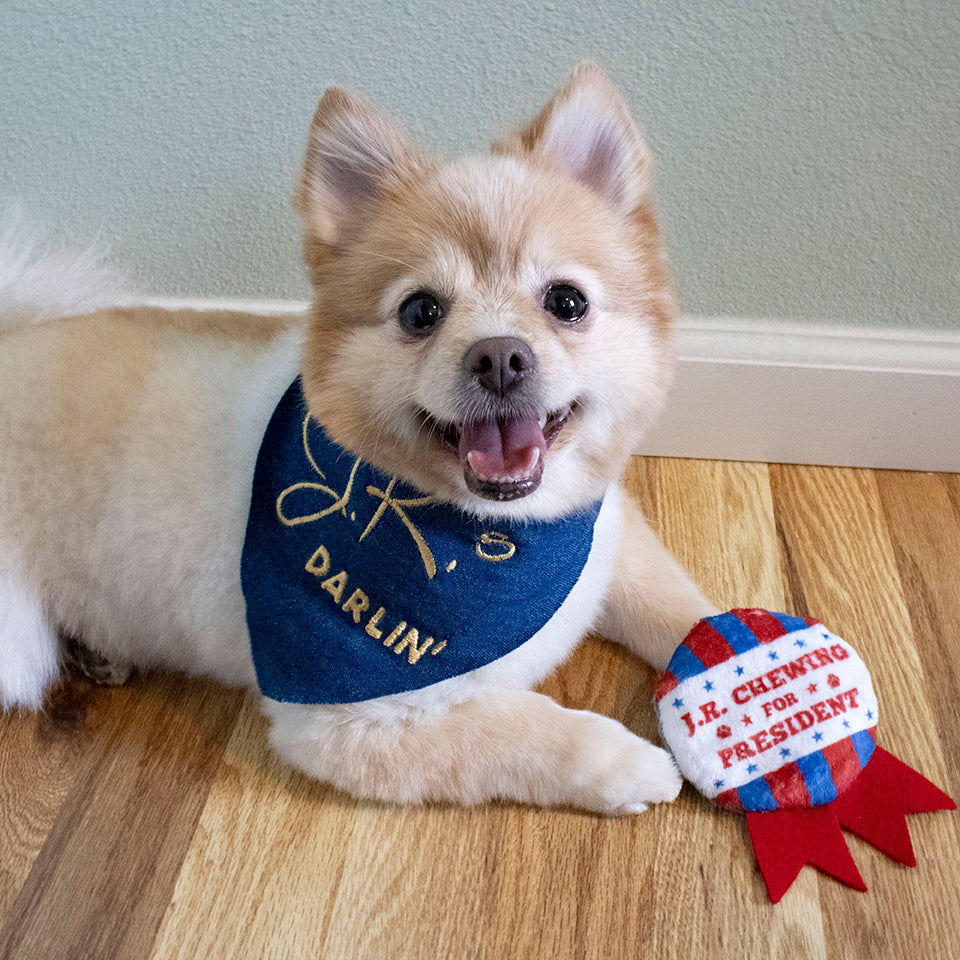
{"points": [[923, 518], [41, 756], [418, 882], [717, 519], [832, 519], [103, 878], [266, 861], [833, 527], [556, 891]]}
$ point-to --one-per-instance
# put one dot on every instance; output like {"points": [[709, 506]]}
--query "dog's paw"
{"points": [[108, 673], [620, 773]]}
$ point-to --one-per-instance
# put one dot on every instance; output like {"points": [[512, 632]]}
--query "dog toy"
{"points": [[775, 716]]}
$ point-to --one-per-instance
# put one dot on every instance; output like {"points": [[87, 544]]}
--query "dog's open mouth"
{"points": [[502, 459]]}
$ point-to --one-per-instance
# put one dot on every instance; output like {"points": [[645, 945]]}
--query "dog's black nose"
{"points": [[499, 363]]}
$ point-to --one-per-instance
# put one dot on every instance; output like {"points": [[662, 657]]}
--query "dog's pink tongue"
{"points": [[502, 448]]}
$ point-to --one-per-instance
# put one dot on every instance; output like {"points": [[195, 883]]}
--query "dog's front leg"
{"points": [[652, 603], [514, 745]]}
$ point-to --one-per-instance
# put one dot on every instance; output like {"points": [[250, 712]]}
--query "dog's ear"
{"points": [[352, 153], [587, 131]]}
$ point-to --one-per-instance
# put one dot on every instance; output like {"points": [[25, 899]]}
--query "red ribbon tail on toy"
{"points": [[785, 840], [874, 807], [876, 804]]}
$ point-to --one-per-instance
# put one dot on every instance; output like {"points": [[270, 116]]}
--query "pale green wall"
{"points": [[807, 152]]}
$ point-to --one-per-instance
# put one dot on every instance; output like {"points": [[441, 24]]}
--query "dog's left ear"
{"points": [[587, 131]]}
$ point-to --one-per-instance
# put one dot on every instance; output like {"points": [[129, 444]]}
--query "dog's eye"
{"points": [[419, 313], [565, 303]]}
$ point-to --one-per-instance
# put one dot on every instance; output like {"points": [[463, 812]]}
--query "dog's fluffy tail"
{"points": [[39, 281]]}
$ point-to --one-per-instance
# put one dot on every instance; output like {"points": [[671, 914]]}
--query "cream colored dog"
{"points": [[128, 439]]}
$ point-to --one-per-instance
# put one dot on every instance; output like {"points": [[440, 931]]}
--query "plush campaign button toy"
{"points": [[775, 716]]}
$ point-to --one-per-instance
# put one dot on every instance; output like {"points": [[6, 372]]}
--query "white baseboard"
{"points": [[811, 394], [267, 308], [750, 390]]}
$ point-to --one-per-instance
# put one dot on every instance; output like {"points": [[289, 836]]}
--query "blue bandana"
{"points": [[358, 585]]}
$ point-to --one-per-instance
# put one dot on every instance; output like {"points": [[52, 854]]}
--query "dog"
{"points": [[488, 340]]}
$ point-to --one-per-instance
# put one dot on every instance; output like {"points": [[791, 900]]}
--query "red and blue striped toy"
{"points": [[775, 716]]}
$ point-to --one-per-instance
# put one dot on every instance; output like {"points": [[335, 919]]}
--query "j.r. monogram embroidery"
{"points": [[491, 545]]}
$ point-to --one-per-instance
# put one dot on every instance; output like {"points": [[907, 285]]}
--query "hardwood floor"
{"points": [[151, 821]]}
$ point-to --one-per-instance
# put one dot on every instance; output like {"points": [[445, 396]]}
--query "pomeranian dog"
{"points": [[434, 455]]}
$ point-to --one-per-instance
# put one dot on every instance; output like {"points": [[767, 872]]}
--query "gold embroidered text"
{"points": [[357, 602]]}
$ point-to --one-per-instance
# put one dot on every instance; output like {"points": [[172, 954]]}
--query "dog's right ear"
{"points": [[352, 153]]}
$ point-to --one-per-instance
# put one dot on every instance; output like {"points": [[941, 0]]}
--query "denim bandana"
{"points": [[358, 585]]}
